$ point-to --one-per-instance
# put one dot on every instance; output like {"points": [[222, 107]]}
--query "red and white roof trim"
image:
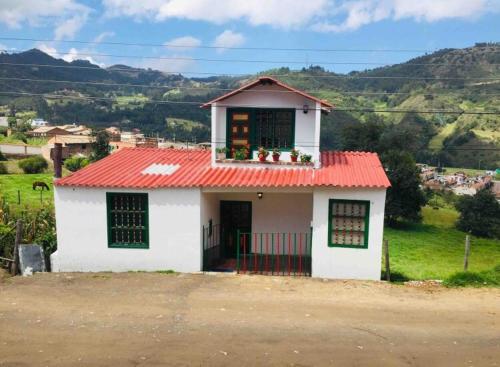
{"points": [[263, 79]]}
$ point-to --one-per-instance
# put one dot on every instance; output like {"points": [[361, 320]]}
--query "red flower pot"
{"points": [[262, 158], [293, 158], [276, 157]]}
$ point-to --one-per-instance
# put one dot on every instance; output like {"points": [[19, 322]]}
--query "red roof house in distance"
{"points": [[235, 207]]}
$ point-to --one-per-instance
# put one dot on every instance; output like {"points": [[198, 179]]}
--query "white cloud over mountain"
{"points": [[228, 38]]}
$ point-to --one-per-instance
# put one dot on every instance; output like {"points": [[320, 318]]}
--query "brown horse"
{"points": [[41, 184]]}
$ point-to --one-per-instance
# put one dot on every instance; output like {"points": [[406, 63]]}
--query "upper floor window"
{"points": [[274, 128]]}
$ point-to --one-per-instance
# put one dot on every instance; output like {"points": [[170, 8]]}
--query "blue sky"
{"points": [[340, 24]]}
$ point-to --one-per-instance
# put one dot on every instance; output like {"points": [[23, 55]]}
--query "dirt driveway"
{"points": [[150, 319]]}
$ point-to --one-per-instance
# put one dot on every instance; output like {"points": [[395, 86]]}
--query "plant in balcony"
{"points": [[221, 152], [305, 158], [241, 154], [294, 154], [262, 154], [276, 154]]}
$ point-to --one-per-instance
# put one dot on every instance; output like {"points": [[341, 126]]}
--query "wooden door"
{"points": [[239, 131], [235, 215]]}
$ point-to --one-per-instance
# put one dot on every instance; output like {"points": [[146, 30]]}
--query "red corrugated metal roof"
{"points": [[323, 102], [125, 169]]}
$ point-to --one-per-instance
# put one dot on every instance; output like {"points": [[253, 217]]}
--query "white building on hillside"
{"points": [[192, 210]]}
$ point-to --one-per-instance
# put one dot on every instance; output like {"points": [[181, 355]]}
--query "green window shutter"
{"points": [[348, 223], [128, 220]]}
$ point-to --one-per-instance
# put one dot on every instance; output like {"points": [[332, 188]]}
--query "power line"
{"points": [[279, 62], [110, 43], [198, 103], [95, 68], [148, 86]]}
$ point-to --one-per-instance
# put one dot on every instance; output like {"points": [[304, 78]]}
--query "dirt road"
{"points": [[145, 319]]}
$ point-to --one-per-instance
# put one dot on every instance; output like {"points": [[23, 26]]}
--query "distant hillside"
{"points": [[452, 139]]}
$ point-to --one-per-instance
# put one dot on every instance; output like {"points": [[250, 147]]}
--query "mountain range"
{"points": [[450, 99]]}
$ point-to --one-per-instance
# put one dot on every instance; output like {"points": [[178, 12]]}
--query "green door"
{"points": [[235, 215]]}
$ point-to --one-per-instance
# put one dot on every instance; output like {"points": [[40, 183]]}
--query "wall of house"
{"points": [[274, 213], [347, 263], [174, 232], [306, 124]]}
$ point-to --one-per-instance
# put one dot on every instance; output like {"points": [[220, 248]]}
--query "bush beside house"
{"points": [[35, 164], [75, 163]]}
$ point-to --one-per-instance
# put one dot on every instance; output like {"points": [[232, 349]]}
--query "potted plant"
{"points": [[221, 153], [304, 158], [294, 154], [241, 154], [262, 154], [276, 154]]}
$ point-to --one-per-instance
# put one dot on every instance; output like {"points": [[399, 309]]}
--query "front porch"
{"points": [[257, 232]]}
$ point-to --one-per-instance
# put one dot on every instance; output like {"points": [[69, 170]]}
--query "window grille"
{"points": [[348, 223], [274, 128], [128, 220]]}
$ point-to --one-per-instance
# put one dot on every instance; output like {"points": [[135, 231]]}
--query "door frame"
{"points": [[224, 226]]}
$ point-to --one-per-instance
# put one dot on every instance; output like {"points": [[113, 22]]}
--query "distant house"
{"points": [[35, 123], [48, 132], [194, 209], [4, 121], [77, 129], [72, 145]]}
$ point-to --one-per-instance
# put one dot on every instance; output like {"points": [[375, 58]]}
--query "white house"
{"points": [[190, 210]]}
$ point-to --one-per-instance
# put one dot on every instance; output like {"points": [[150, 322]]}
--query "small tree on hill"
{"points": [[404, 198], [479, 214], [101, 147]]}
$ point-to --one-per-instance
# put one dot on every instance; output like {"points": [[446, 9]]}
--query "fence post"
{"points": [[18, 197], [238, 251], [467, 252], [19, 237], [387, 264]]}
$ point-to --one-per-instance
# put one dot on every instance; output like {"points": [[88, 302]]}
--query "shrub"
{"points": [[19, 136], [75, 163], [2, 157], [479, 214], [35, 164], [3, 169], [486, 278]]}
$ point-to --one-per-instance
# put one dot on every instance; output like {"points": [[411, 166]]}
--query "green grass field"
{"points": [[434, 249], [11, 183]]}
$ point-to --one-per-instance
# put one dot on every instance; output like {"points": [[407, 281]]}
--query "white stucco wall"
{"points": [[174, 232], [347, 263], [306, 124]]}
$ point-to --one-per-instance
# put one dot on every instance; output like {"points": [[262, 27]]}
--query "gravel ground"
{"points": [[150, 319]]}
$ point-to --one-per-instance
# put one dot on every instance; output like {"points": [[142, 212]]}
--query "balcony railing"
{"points": [[286, 254]]}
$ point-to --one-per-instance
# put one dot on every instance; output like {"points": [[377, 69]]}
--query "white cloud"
{"points": [[275, 13], [228, 39], [102, 36], [67, 15], [183, 43], [180, 65], [69, 27], [358, 13], [72, 55]]}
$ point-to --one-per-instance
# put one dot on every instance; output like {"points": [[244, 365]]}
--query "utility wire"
{"points": [[198, 103], [227, 47], [148, 86], [279, 62], [352, 77]]}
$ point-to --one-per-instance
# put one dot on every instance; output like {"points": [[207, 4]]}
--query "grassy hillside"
{"points": [[434, 249]]}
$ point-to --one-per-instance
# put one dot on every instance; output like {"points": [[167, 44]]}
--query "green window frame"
{"points": [[274, 125], [348, 223], [128, 220]]}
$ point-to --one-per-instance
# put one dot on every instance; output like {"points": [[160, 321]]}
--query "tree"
{"points": [[404, 198], [479, 214], [75, 163], [363, 137], [35, 164], [101, 147]]}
